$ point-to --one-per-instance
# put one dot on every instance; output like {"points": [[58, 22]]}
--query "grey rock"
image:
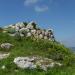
{"points": [[4, 55], [6, 45], [33, 62]]}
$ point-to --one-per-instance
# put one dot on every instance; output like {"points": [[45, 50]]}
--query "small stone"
{"points": [[59, 64], [6, 45], [2, 55], [44, 68], [45, 37], [29, 34], [41, 36], [3, 67], [16, 70], [51, 65]]}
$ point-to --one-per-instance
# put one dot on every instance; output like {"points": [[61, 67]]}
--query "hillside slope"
{"points": [[30, 47], [27, 41]]}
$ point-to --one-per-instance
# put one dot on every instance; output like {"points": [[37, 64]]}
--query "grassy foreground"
{"points": [[44, 48]]}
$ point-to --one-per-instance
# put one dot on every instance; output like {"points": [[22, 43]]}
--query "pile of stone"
{"points": [[35, 62], [29, 30]]}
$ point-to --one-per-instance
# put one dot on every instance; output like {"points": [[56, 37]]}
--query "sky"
{"points": [[56, 14]]}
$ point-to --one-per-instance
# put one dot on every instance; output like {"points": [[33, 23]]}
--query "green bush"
{"points": [[25, 23], [34, 25]]}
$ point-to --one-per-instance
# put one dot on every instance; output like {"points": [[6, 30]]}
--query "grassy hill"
{"points": [[30, 47]]}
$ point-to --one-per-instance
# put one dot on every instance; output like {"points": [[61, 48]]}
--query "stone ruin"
{"points": [[29, 30]]}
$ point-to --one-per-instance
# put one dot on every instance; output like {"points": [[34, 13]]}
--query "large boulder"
{"points": [[20, 25], [24, 62], [35, 62], [23, 30]]}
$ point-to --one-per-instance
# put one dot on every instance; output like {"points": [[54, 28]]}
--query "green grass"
{"points": [[44, 48]]}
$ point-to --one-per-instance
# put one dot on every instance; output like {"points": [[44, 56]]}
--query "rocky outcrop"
{"points": [[29, 30], [35, 62]]}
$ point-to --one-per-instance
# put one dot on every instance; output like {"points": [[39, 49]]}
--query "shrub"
{"points": [[25, 23], [34, 25]]}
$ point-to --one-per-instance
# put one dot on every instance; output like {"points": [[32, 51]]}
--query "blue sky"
{"points": [[57, 14]]}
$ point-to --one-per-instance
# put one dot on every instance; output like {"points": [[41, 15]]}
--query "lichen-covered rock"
{"points": [[6, 45], [34, 62], [43, 32], [39, 32], [4, 55], [29, 34], [33, 31], [20, 25], [46, 33], [12, 34], [3, 67], [23, 30], [24, 62], [41, 36], [45, 37]]}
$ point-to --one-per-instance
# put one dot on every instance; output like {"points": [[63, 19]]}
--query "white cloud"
{"points": [[41, 8], [37, 8], [30, 2]]}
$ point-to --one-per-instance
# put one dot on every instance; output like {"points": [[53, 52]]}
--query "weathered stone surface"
{"points": [[34, 62], [20, 25], [12, 34], [33, 31], [4, 55], [29, 34], [45, 37], [24, 62], [6, 45], [41, 36]]}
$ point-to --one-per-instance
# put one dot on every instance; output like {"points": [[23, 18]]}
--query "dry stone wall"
{"points": [[29, 30]]}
